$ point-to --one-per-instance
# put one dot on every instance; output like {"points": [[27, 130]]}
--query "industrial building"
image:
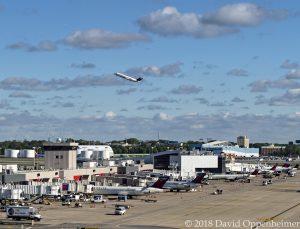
{"points": [[94, 152], [61, 164], [15, 153], [188, 163], [271, 149], [228, 150]]}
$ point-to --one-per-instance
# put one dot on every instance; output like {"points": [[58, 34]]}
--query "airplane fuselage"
{"points": [[127, 77], [130, 191]]}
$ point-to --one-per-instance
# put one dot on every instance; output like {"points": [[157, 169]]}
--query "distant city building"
{"points": [[243, 141], [266, 150], [227, 149]]}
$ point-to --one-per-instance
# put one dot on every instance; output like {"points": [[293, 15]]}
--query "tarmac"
{"points": [[241, 205]]}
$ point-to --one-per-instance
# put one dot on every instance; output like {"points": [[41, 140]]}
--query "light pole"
{"points": [[152, 156]]}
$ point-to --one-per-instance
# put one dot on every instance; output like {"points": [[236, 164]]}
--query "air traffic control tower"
{"points": [[60, 155]]}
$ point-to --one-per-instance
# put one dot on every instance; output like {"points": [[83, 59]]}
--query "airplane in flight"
{"points": [[130, 78], [131, 191]]}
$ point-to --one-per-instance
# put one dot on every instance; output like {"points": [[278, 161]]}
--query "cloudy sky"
{"points": [[211, 69]]}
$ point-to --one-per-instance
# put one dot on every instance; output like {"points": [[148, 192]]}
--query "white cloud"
{"points": [[181, 127], [293, 74], [242, 14], [264, 85], [237, 72], [110, 115], [170, 22], [186, 90], [126, 92], [163, 117], [83, 65], [43, 46], [228, 19], [288, 65], [27, 84], [152, 70], [101, 39]]}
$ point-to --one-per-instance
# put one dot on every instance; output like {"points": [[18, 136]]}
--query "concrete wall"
{"points": [[49, 175], [11, 178], [60, 159], [73, 173]]}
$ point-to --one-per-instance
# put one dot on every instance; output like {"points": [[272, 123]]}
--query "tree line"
{"points": [[136, 146]]}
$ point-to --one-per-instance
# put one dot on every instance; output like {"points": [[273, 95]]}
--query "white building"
{"points": [[229, 150], [188, 164], [94, 152]]}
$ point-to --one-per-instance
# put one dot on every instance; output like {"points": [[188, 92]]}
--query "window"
{"points": [[56, 156], [61, 156]]}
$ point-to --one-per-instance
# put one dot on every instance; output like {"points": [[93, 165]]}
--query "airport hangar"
{"points": [[188, 164]]}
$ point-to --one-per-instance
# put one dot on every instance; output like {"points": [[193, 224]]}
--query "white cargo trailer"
{"points": [[23, 212]]}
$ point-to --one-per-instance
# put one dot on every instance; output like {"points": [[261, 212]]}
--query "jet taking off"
{"points": [[128, 77]]}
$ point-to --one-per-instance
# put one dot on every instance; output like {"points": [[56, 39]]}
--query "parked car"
{"points": [[120, 211]]}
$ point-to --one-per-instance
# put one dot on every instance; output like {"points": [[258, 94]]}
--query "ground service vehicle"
{"points": [[98, 199], [120, 211], [23, 212]]}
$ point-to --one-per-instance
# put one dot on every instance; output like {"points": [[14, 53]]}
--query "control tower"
{"points": [[60, 155]]}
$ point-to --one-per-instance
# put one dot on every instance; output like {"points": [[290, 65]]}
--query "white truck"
{"points": [[23, 212], [98, 199]]}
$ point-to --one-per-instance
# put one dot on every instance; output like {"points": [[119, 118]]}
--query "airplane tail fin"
{"points": [[139, 79], [255, 172], [160, 182], [286, 165], [199, 178], [274, 167]]}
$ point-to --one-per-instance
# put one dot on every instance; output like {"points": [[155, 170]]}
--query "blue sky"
{"points": [[211, 69]]}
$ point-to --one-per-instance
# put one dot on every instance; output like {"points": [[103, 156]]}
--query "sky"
{"points": [[211, 69]]}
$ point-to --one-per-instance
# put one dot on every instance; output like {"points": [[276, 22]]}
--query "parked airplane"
{"points": [[230, 177], [184, 185], [254, 173], [286, 168], [131, 191], [268, 169], [128, 77]]}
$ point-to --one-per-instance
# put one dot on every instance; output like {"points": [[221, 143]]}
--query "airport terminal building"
{"points": [[188, 164]]}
